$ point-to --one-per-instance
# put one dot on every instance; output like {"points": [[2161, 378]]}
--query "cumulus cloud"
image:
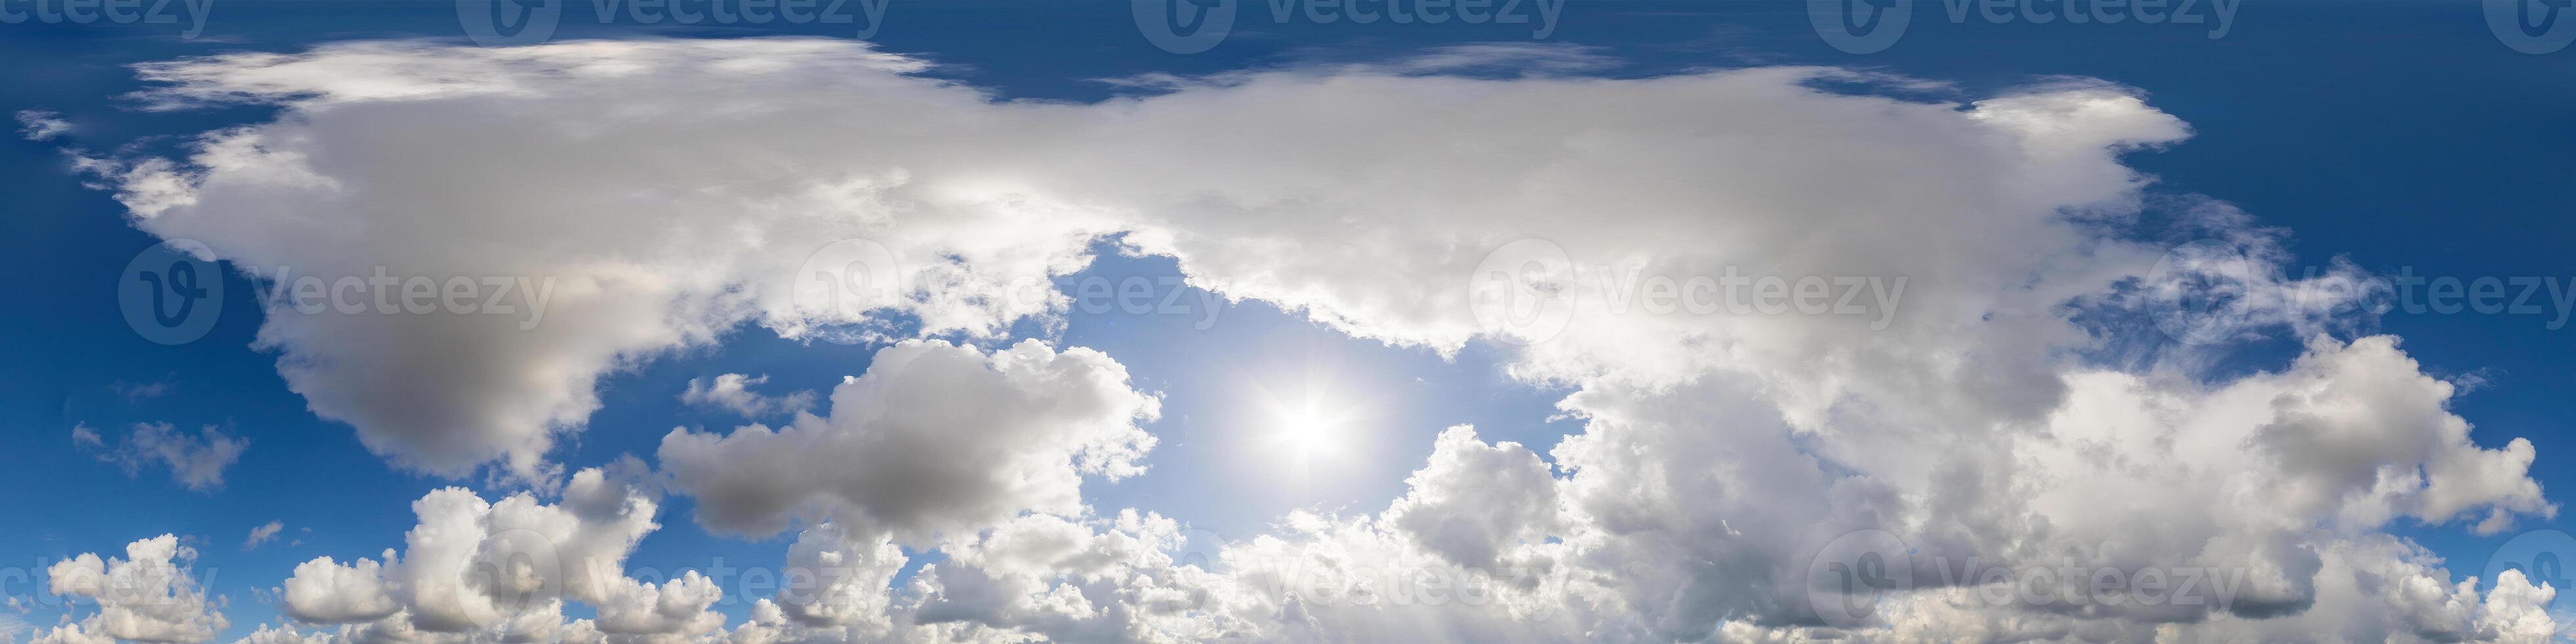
{"points": [[970, 204], [1786, 316], [480, 571], [732, 391], [716, 245], [1474, 501], [1015, 431], [2129, 473], [150, 595], [197, 462]]}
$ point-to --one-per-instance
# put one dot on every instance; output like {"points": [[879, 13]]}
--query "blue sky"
{"points": [[2398, 135]]}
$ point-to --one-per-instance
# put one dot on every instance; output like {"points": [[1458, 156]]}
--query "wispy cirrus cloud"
{"points": [[196, 461]]}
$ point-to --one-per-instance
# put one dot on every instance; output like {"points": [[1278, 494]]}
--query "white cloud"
{"points": [[1016, 430], [197, 462], [1723, 451], [674, 611], [479, 571], [323, 590], [732, 392], [1475, 501], [150, 595], [444, 392], [41, 125], [263, 534], [851, 573]]}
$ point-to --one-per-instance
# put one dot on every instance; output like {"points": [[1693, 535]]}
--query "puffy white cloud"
{"points": [[1660, 231], [479, 571], [1104, 580], [274, 634], [1729, 522], [733, 392], [674, 611], [934, 439], [844, 579], [150, 595], [197, 462], [323, 590], [1474, 501]]}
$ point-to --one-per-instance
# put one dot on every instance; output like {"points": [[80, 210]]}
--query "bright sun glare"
{"points": [[1305, 433], [1305, 425]]}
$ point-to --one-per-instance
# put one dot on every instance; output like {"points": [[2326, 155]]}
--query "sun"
{"points": [[1306, 434], [1305, 425]]}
